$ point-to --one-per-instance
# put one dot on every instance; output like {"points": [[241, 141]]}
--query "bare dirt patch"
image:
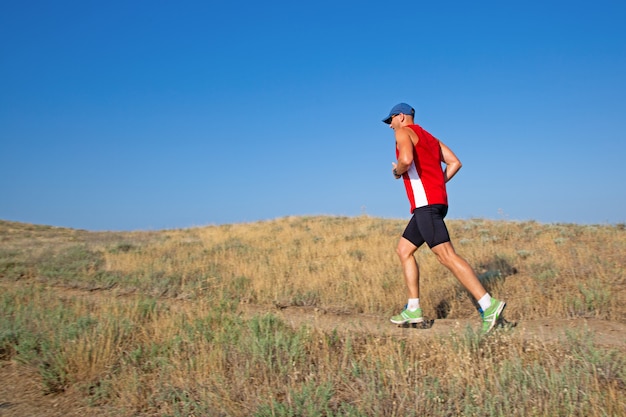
{"points": [[22, 395], [604, 333]]}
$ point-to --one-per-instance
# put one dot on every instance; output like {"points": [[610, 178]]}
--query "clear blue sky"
{"points": [[149, 114]]}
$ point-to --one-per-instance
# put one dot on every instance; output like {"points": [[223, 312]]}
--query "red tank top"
{"points": [[424, 181]]}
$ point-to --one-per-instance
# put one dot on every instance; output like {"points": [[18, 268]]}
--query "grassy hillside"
{"points": [[160, 334]]}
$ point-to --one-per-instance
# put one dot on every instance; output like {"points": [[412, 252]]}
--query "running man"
{"points": [[419, 157]]}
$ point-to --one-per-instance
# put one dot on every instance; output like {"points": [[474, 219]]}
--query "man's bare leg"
{"points": [[460, 269], [410, 269], [412, 313]]}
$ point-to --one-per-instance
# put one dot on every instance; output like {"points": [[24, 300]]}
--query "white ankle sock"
{"points": [[485, 302], [413, 304]]}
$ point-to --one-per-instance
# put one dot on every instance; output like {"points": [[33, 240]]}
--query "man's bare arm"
{"points": [[405, 152], [452, 162]]}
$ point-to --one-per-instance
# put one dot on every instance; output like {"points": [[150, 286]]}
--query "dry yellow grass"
{"points": [[350, 263], [161, 335]]}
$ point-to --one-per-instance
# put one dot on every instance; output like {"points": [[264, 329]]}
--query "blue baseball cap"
{"points": [[397, 109]]}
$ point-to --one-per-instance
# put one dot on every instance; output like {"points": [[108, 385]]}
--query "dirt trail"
{"points": [[604, 333], [21, 393]]}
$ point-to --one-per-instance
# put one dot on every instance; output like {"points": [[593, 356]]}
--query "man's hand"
{"points": [[395, 171]]}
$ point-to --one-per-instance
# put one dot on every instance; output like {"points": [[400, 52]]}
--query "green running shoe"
{"points": [[408, 317], [492, 314]]}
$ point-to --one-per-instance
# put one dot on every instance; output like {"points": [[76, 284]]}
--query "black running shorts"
{"points": [[427, 225]]}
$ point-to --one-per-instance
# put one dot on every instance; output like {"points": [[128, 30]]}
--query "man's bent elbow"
{"points": [[405, 161]]}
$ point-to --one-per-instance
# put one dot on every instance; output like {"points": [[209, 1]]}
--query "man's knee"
{"points": [[445, 253], [405, 249]]}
